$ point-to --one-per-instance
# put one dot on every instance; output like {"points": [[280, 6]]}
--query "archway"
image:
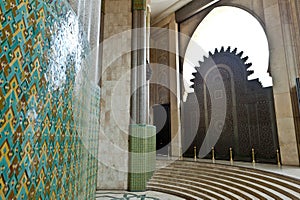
{"points": [[250, 120]]}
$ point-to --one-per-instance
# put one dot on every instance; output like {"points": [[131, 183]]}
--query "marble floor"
{"points": [[123, 195]]}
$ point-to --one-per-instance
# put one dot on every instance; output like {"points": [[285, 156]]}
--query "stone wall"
{"points": [[166, 73], [115, 95], [284, 69]]}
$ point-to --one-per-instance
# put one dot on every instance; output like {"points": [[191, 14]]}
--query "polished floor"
{"points": [[123, 195]]}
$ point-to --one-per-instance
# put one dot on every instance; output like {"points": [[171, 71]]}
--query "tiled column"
{"points": [[89, 13], [142, 148], [142, 140]]}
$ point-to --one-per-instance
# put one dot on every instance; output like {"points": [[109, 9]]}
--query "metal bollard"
{"points": [[195, 153], [230, 153], [253, 156], [180, 154], [168, 152], [278, 158], [213, 154]]}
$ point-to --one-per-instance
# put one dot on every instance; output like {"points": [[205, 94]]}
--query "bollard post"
{"points": [[213, 154], [168, 152], [230, 153], [253, 156], [195, 153], [278, 158], [180, 154]]}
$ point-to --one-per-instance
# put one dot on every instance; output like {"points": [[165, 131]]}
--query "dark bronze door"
{"points": [[250, 121], [161, 119]]}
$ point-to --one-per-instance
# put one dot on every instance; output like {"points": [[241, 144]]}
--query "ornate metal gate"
{"points": [[250, 120]]}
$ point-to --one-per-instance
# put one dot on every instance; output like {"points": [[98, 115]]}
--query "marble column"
{"points": [[148, 59], [138, 76], [115, 94]]}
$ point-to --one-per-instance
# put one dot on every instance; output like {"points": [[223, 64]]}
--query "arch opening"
{"points": [[227, 64]]}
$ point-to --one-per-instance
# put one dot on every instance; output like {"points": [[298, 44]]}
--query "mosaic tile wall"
{"points": [[142, 160], [48, 107]]}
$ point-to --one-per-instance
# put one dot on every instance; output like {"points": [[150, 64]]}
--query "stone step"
{"points": [[217, 181], [267, 188], [223, 191], [163, 163], [233, 188], [208, 191], [234, 177], [285, 183], [256, 191], [235, 168]]}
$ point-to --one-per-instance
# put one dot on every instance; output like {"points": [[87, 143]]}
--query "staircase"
{"points": [[197, 180]]}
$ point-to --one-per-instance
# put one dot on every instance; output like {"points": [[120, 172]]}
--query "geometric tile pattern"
{"points": [[139, 5], [142, 162], [128, 196], [48, 141]]}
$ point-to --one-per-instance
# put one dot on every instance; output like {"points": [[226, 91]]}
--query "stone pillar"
{"points": [[280, 31], [142, 141], [148, 59], [169, 39], [139, 90], [115, 95], [295, 7], [174, 89]]}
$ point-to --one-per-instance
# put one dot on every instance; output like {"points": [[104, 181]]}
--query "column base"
{"points": [[142, 156]]}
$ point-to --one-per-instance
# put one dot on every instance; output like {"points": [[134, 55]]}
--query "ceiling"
{"points": [[162, 8]]}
